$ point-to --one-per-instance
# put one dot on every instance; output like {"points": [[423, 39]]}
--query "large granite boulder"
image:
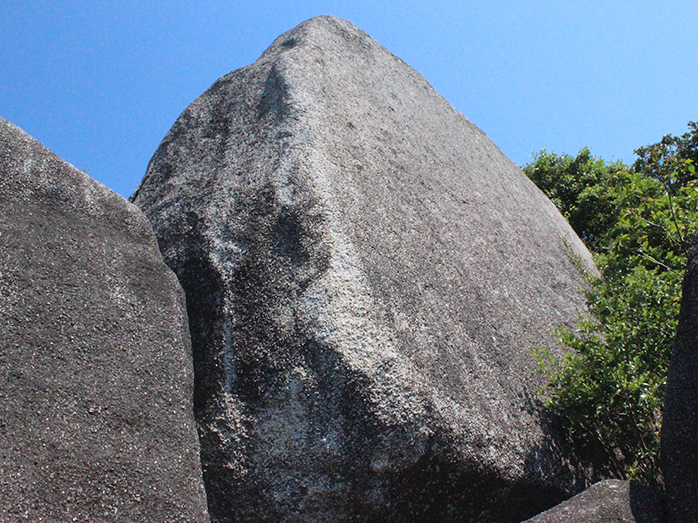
{"points": [[96, 417], [609, 501], [680, 423], [365, 274]]}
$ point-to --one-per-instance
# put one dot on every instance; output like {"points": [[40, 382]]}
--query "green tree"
{"points": [[578, 187], [608, 391]]}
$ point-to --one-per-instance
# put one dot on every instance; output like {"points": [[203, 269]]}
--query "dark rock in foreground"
{"points": [[96, 377], [610, 501], [366, 274], [680, 422]]}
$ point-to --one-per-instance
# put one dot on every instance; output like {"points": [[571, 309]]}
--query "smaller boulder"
{"points": [[609, 501], [96, 377]]}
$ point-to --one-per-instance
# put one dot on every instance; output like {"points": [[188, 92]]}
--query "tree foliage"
{"points": [[638, 221], [578, 187]]}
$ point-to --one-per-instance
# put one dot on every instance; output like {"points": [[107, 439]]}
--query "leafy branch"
{"points": [[608, 390]]}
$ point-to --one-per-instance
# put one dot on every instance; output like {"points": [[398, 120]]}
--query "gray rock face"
{"points": [[96, 418], [610, 501], [680, 423], [365, 275]]}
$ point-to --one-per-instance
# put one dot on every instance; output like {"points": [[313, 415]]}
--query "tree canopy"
{"points": [[638, 221]]}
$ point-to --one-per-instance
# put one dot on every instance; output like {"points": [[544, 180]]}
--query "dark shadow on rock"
{"points": [[646, 503], [464, 494], [585, 464], [680, 422]]}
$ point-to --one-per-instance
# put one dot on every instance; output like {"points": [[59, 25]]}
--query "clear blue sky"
{"points": [[101, 82]]}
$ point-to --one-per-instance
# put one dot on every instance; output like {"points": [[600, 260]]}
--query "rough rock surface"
{"points": [[96, 417], [610, 501], [366, 274], [680, 423]]}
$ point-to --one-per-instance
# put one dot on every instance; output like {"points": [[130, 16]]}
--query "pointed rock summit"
{"points": [[366, 274], [96, 418]]}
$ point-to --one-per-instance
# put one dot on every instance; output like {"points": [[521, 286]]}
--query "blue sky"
{"points": [[100, 83]]}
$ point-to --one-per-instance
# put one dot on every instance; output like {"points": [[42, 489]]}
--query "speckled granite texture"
{"points": [[609, 501], [365, 274], [680, 423], [96, 418]]}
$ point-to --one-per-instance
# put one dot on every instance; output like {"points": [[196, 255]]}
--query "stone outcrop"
{"points": [[365, 274], [609, 501], [96, 418], [680, 421]]}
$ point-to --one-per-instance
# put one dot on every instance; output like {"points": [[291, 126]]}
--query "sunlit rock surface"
{"points": [[609, 501], [96, 418], [365, 274]]}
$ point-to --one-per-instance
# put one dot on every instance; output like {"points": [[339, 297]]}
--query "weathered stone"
{"points": [[366, 274], [680, 422], [610, 501], [96, 378]]}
